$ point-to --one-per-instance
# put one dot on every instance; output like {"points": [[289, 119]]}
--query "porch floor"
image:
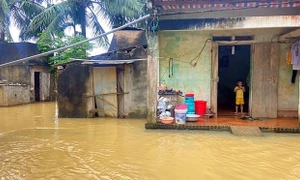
{"points": [[280, 125]]}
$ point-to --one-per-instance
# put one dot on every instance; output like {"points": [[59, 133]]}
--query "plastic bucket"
{"points": [[190, 107], [180, 116], [200, 107]]}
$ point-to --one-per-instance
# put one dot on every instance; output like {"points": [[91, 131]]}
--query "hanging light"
{"points": [[233, 47]]}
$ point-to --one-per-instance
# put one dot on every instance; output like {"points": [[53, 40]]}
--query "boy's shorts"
{"points": [[239, 101]]}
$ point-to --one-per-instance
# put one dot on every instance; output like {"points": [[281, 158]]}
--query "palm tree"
{"points": [[18, 12], [85, 13], [4, 20]]}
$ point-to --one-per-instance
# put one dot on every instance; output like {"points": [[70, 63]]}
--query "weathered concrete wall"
{"points": [[74, 85], [231, 23], [288, 93], [184, 47], [14, 95], [16, 74], [135, 82]]}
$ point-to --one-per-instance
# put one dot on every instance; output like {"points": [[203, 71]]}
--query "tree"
{"points": [[85, 13], [20, 12], [47, 43]]}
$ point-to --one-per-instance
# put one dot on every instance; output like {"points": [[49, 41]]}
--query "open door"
{"points": [[105, 84], [215, 77], [37, 86], [264, 81]]}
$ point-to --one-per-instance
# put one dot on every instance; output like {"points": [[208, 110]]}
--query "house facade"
{"points": [[112, 84], [27, 82], [215, 43]]}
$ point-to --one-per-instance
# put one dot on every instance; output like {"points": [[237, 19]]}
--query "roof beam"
{"points": [[290, 35]]}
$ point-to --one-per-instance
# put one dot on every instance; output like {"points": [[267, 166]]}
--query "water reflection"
{"points": [[35, 144]]}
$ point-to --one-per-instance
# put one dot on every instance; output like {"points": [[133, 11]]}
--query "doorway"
{"points": [[37, 86], [105, 88], [234, 64]]}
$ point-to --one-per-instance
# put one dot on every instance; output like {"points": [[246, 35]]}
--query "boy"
{"points": [[239, 96]]}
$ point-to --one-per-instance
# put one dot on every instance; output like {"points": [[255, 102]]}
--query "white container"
{"points": [[180, 116]]}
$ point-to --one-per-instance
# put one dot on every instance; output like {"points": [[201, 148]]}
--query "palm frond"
{"points": [[97, 28], [51, 16]]}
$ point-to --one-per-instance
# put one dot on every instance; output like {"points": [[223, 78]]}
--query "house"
{"points": [[113, 84], [27, 82], [215, 43]]}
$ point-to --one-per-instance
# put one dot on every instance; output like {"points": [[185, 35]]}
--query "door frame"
{"points": [[215, 74]]}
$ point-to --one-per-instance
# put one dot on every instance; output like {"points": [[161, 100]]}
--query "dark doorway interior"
{"points": [[234, 65], [37, 86]]}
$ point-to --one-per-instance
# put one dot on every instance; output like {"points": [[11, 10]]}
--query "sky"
{"points": [[97, 50]]}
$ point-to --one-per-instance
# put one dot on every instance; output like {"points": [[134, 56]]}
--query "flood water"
{"points": [[34, 144]]}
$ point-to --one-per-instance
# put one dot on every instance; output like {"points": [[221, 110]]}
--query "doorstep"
{"points": [[288, 125]]}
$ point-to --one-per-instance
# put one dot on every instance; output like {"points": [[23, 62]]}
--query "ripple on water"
{"points": [[37, 147]]}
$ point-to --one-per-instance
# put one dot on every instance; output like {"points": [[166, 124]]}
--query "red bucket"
{"points": [[200, 107]]}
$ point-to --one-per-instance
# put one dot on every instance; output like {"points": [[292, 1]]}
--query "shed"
{"points": [[112, 84]]}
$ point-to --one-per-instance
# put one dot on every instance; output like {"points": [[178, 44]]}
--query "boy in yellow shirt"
{"points": [[239, 96]]}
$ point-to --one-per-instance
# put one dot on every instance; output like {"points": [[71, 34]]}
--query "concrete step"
{"points": [[245, 131]]}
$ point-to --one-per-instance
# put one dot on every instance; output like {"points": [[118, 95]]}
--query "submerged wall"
{"points": [[11, 95], [135, 82], [16, 74], [73, 87]]}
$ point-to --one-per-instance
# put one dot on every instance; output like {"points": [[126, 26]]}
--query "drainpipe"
{"points": [[75, 44]]}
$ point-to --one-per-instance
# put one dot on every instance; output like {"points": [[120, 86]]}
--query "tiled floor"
{"points": [[235, 120]]}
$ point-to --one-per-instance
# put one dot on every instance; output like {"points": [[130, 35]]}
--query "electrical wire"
{"points": [[194, 61]]}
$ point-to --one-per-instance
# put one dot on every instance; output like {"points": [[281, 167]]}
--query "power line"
{"points": [[75, 44]]}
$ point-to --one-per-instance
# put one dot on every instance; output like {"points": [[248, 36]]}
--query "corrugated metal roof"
{"points": [[114, 62]]}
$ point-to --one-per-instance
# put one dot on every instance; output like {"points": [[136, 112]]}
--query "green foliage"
{"points": [[19, 13], [46, 43], [65, 14]]}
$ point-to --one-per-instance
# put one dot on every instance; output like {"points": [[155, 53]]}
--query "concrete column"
{"points": [[299, 102], [152, 76]]}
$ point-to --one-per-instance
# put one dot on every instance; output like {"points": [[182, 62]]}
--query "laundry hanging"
{"points": [[295, 59], [296, 53]]}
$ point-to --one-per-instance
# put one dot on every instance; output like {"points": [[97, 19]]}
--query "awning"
{"points": [[99, 62]]}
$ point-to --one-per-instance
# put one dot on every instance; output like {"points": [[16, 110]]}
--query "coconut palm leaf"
{"points": [[95, 25], [50, 19]]}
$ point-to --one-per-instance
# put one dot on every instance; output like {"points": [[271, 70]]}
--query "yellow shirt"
{"points": [[239, 92]]}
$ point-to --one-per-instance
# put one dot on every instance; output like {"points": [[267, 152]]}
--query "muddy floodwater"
{"points": [[35, 144]]}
